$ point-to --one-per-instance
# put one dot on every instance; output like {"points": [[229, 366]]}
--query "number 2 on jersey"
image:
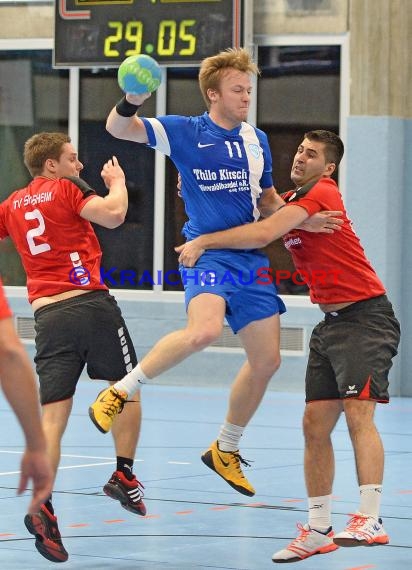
{"points": [[36, 248]]}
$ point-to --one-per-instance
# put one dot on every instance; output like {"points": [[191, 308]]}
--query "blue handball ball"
{"points": [[139, 74]]}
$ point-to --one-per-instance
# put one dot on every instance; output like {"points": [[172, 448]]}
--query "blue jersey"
{"points": [[223, 172]]}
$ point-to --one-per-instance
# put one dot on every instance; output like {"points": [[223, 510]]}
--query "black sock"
{"points": [[49, 506], [125, 465]]}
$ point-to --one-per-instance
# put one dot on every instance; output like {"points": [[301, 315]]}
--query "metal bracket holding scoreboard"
{"points": [[102, 33]]}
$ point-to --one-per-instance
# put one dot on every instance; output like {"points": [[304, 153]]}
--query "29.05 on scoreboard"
{"points": [[102, 33]]}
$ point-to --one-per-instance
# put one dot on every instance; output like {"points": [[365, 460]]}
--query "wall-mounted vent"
{"points": [[309, 7], [292, 340], [25, 328]]}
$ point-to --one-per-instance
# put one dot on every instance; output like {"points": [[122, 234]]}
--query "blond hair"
{"points": [[212, 68], [40, 147]]}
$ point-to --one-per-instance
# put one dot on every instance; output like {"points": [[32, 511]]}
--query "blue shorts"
{"points": [[241, 278]]}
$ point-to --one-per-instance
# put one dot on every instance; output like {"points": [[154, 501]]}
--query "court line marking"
{"points": [[72, 455]]}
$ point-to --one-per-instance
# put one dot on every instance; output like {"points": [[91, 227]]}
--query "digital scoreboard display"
{"points": [[102, 33]]}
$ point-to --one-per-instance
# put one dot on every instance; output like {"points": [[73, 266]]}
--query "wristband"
{"points": [[126, 109]]}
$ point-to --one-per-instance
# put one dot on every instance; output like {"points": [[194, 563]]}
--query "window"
{"points": [[299, 90], [184, 98], [128, 250], [33, 98]]}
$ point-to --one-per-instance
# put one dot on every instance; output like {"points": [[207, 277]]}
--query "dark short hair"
{"points": [[334, 147]]}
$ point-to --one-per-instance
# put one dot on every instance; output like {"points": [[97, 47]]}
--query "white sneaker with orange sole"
{"points": [[308, 543], [362, 530]]}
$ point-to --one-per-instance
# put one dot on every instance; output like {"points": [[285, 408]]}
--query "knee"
{"points": [[359, 416], [266, 368], [307, 425], [272, 366], [55, 416], [313, 431], [202, 338], [358, 425], [276, 363], [319, 420]]}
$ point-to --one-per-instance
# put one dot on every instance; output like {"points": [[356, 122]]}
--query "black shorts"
{"points": [[351, 352], [87, 329]]}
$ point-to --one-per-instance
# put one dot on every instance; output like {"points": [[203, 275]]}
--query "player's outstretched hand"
{"points": [[137, 99], [112, 172], [35, 467]]}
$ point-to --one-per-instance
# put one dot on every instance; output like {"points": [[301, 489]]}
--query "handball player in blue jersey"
{"points": [[226, 180]]}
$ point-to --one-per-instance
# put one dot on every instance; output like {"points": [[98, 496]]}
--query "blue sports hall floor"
{"points": [[194, 519]]}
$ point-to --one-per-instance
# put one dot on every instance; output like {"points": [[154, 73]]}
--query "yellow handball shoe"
{"points": [[105, 408], [227, 465]]}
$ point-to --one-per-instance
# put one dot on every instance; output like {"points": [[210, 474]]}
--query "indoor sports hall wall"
{"points": [[376, 125]]}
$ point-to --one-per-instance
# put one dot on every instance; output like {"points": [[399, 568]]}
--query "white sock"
{"points": [[320, 517], [370, 500], [132, 381], [229, 437]]}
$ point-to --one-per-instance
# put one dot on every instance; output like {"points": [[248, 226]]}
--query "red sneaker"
{"points": [[129, 493], [43, 525]]}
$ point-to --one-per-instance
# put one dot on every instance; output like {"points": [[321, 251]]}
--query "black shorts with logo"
{"points": [[85, 330], [351, 352]]}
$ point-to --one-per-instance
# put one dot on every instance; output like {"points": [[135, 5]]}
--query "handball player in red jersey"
{"points": [[78, 323], [351, 350]]}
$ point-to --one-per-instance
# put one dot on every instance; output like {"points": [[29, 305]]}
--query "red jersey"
{"points": [[334, 266], [5, 311], [58, 248]]}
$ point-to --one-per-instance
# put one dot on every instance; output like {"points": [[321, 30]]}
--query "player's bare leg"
{"points": [[261, 341], [123, 485]]}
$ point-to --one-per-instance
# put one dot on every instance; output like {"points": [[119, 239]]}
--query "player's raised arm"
{"points": [[123, 123]]}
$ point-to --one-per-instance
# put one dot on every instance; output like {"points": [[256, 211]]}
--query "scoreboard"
{"points": [[102, 33]]}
